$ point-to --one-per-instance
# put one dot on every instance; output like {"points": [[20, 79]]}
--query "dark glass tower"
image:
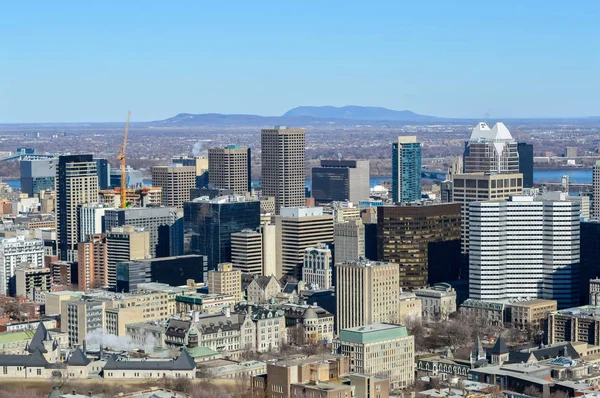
{"points": [[526, 163], [406, 169], [589, 259]]}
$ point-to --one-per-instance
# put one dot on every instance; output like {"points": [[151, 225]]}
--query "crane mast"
{"points": [[122, 159]]}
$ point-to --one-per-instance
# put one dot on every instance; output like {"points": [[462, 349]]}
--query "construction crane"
{"points": [[122, 159]]}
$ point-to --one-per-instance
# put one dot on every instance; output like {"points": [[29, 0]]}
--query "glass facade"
{"points": [[406, 172], [526, 163]]}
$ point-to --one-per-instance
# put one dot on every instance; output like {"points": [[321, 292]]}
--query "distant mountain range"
{"points": [[300, 115]]}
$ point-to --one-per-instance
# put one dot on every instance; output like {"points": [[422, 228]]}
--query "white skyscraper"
{"points": [[524, 248], [16, 251]]}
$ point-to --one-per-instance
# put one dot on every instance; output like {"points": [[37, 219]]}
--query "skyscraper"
{"points": [[491, 150], [176, 182], [524, 248], [283, 166], [340, 180], [91, 219], [590, 257], [423, 239], [596, 187], [246, 251], [230, 168], [37, 175], [526, 163], [76, 184], [92, 262], [103, 169], [406, 169], [318, 266], [125, 244], [349, 240]]}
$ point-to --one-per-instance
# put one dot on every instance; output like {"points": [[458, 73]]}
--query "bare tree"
{"points": [[209, 390], [532, 391]]}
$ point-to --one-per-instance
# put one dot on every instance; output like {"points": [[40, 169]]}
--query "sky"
{"points": [[91, 61]]}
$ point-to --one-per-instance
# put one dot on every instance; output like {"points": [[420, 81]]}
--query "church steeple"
{"points": [[478, 352]]}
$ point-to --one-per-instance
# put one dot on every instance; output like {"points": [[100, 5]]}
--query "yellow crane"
{"points": [[122, 159]]}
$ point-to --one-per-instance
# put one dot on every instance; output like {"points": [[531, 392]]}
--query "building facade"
{"points": [[596, 188], [225, 280], [247, 251], [125, 244], [318, 266], [491, 150], [230, 168], [29, 278], [349, 240], [437, 301], [406, 169], [37, 175], [176, 182], [92, 265], [526, 163], [14, 252], [340, 180]]}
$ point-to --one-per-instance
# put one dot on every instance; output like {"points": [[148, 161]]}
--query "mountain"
{"points": [[353, 112]]}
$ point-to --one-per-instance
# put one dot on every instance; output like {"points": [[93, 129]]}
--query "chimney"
{"points": [[84, 348]]}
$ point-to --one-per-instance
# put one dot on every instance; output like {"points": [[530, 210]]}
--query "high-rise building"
{"points": [[14, 252], [423, 239], [176, 182], [134, 178], [526, 163], [269, 249], [340, 180], [283, 166], [247, 251], [297, 229], [366, 292], [163, 224], [406, 169], [212, 221], [92, 264], [103, 170], [125, 244], [596, 188], [225, 280], [480, 187], [76, 184], [318, 266], [524, 248], [91, 219], [30, 278], [230, 168], [491, 150], [37, 175], [590, 257], [349, 240]]}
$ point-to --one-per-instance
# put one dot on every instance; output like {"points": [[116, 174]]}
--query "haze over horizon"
{"points": [[91, 62]]}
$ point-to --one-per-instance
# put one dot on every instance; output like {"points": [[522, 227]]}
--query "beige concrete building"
{"points": [[176, 182], [262, 289], [481, 187], [247, 251], [595, 292], [199, 163], [283, 166], [29, 278], [314, 323], [78, 318], [579, 324], [125, 244], [229, 168], [92, 266], [438, 301], [269, 248], [531, 314], [349, 240], [226, 280], [366, 292], [54, 300], [379, 349], [298, 229], [317, 269], [410, 307]]}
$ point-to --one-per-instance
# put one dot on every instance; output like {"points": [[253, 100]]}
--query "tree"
{"points": [[209, 390], [532, 391]]}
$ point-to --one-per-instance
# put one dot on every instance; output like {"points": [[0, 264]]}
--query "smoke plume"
{"points": [[198, 148], [119, 343]]}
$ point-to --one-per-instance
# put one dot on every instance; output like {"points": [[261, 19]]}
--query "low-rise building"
{"points": [[578, 324], [183, 366], [307, 324], [262, 289], [204, 303], [492, 312], [30, 277], [438, 301], [410, 307], [531, 314]]}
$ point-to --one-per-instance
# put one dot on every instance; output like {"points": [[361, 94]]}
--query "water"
{"points": [[576, 176]]}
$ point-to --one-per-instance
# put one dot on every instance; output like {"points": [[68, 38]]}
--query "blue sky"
{"points": [[93, 60]]}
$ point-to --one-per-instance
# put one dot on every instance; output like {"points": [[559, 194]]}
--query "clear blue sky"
{"points": [[94, 60]]}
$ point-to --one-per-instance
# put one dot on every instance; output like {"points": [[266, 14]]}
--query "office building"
{"points": [[491, 150], [125, 244], [247, 251], [526, 163], [91, 219], [92, 265], [283, 166], [76, 184], [524, 248], [446, 188], [29, 278], [200, 163], [230, 168], [269, 248], [582, 200], [298, 229], [531, 314], [163, 224], [590, 258], [423, 239], [225, 280], [366, 292], [578, 324], [406, 169], [37, 175], [212, 221], [437, 301], [176, 182], [349, 240], [104, 171], [80, 318], [14, 252], [317, 269], [340, 180], [134, 178], [480, 187], [379, 349], [596, 189]]}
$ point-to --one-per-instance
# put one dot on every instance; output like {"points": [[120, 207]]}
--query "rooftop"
{"points": [[373, 333]]}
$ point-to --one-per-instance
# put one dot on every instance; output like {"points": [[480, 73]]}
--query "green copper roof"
{"points": [[372, 333], [198, 352], [16, 336]]}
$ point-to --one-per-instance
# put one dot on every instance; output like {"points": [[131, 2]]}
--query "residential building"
{"points": [[524, 248], [64, 272], [531, 314], [298, 229], [91, 219], [308, 324], [318, 266], [125, 244], [37, 175], [176, 182], [410, 307], [366, 292], [163, 224], [596, 190], [30, 277], [423, 239], [384, 350], [406, 169], [92, 267], [340, 180], [212, 221], [247, 251], [283, 166], [437, 301], [525, 152], [225, 280], [349, 240], [491, 150], [230, 168], [262, 289], [76, 184], [481, 187], [14, 252], [81, 317]]}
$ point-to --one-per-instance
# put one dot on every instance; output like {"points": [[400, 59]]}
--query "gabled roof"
{"points": [[500, 347], [78, 358], [34, 360], [183, 362], [37, 342], [263, 281], [290, 288]]}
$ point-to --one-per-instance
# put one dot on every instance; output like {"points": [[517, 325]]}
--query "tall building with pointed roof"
{"points": [[491, 150]]}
